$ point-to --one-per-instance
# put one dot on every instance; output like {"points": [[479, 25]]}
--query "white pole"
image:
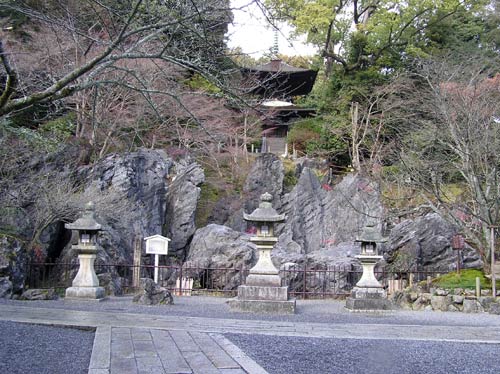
{"points": [[493, 279], [157, 263]]}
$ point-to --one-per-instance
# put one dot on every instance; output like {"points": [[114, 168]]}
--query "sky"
{"points": [[255, 36]]}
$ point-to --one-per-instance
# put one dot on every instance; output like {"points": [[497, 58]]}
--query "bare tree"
{"points": [[452, 152], [88, 40]]}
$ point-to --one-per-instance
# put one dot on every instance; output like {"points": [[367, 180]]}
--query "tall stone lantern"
{"points": [[369, 293], [262, 291], [86, 285]]}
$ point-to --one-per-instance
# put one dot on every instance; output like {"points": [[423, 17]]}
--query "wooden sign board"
{"points": [[157, 245]]}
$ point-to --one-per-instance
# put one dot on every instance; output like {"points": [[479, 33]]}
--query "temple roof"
{"points": [[277, 79]]}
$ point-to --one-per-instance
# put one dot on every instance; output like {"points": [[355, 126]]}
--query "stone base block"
{"points": [[368, 304], [85, 293], [262, 306], [262, 293], [272, 280], [366, 299], [368, 293]]}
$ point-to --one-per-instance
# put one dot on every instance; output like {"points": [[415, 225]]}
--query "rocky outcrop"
{"points": [[182, 199], [320, 218], [266, 175], [153, 294], [216, 246], [141, 178], [321, 225], [5, 287], [12, 266], [425, 243]]}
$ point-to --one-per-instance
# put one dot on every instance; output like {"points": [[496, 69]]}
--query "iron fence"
{"points": [[302, 282]]}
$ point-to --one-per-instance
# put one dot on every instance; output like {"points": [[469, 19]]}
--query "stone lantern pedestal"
{"points": [[368, 293], [86, 284], [262, 292]]}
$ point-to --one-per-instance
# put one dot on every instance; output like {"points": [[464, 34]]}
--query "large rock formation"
{"points": [[137, 194], [425, 244], [266, 175], [182, 198], [320, 217], [216, 246], [12, 266], [319, 231]]}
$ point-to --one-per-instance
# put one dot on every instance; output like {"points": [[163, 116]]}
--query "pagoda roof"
{"points": [[277, 79]]}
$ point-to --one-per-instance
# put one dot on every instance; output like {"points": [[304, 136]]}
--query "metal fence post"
{"points": [[304, 286]]}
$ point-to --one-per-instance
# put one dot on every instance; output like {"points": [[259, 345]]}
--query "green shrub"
{"points": [[464, 279]]}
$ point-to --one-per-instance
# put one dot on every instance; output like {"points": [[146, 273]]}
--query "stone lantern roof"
{"points": [[371, 234], [86, 221], [265, 212]]}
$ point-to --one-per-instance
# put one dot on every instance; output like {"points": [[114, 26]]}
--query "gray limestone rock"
{"points": [[182, 199], [486, 302], [39, 294], [13, 261], [472, 306], [5, 287], [494, 308], [425, 243], [320, 218], [266, 175], [112, 284], [422, 301], [140, 177], [152, 294], [441, 303], [220, 246]]}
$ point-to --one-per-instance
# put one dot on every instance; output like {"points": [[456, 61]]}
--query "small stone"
{"points": [[5, 287], [458, 299], [469, 292], [440, 303], [413, 296], [472, 306], [39, 294], [485, 292], [486, 301], [494, 309], [153, 294], [441, 292], [458, 291], [428, 308], [453, 308]]}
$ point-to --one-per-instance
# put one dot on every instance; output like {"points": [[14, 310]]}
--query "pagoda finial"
{"points": [[275, 48]]}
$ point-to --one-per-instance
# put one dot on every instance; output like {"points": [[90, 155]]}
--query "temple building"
{"points": [[276, 84]]}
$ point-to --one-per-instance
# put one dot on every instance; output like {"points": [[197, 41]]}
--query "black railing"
{"points": [[330, 282]]}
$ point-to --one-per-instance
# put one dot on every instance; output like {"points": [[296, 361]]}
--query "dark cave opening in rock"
{"points": [[60, 240]]}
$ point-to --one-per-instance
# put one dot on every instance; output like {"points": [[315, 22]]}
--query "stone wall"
{"points": [[439, 299]]}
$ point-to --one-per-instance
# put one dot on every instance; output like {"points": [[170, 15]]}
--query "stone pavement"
{"points": [[124, 350], [141, 343]]}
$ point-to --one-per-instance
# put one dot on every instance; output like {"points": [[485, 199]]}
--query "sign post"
{"points": [[458, 243], [157, 245]]}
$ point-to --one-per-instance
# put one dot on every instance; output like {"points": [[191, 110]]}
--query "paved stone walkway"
{"points": [[140, 343], [132, 344], [124, 350]]}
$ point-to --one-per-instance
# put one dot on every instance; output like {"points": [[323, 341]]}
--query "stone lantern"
{"points": [[86, 285], [369, 293], [262, 291]]}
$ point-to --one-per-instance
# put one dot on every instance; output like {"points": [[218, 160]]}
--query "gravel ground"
{"points": [[284, 355], [323, 311], [43, 345], [37, 349]]}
